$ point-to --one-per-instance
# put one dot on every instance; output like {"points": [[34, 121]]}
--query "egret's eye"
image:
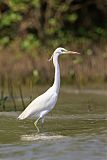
{"points": [[62, 50]]}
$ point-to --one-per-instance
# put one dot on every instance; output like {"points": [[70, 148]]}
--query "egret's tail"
{"points": [[26, 113], [23, 115]]}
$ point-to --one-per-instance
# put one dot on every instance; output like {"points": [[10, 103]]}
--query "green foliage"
{"points": [[30, 42], [9, 18], [59, 21], [72, 17], [4, 40]]}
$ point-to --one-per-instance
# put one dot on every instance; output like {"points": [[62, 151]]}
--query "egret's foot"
{"points": [[35, 123]]}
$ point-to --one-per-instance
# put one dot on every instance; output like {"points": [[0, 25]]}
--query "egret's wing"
{"points": [[43, 102]]}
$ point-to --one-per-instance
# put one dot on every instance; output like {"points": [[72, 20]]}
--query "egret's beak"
{"points": [[66, 52], [71, 52]]}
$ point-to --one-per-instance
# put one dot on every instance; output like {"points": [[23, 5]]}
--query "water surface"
{"points": [[75, 130]]}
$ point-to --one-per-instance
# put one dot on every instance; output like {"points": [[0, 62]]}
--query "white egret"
{"points": [[46, 102]]}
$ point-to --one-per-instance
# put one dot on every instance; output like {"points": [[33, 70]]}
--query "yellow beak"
{"points": [[71, 52]]}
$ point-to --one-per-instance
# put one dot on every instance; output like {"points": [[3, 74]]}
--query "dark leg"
{"points": [[42, 122]]}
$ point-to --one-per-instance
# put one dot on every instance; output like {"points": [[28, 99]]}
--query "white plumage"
{"points": [[46, 102], [40, 104]]}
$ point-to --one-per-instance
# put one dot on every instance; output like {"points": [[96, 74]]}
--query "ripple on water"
{"points": [[41, 137]]}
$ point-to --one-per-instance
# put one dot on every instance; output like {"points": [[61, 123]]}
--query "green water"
{"points": [[75, 130]]}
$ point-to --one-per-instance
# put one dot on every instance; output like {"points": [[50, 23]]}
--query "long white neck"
{"points": [[57, 73]]}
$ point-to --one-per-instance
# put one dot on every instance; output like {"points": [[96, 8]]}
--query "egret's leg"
{"points": [[35, 123], [42, 120]]}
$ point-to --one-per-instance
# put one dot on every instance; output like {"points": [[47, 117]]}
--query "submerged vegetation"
{"points": [[30, 30]]}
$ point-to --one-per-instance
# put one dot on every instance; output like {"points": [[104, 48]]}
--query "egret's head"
{"points": [[60, 51]]}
